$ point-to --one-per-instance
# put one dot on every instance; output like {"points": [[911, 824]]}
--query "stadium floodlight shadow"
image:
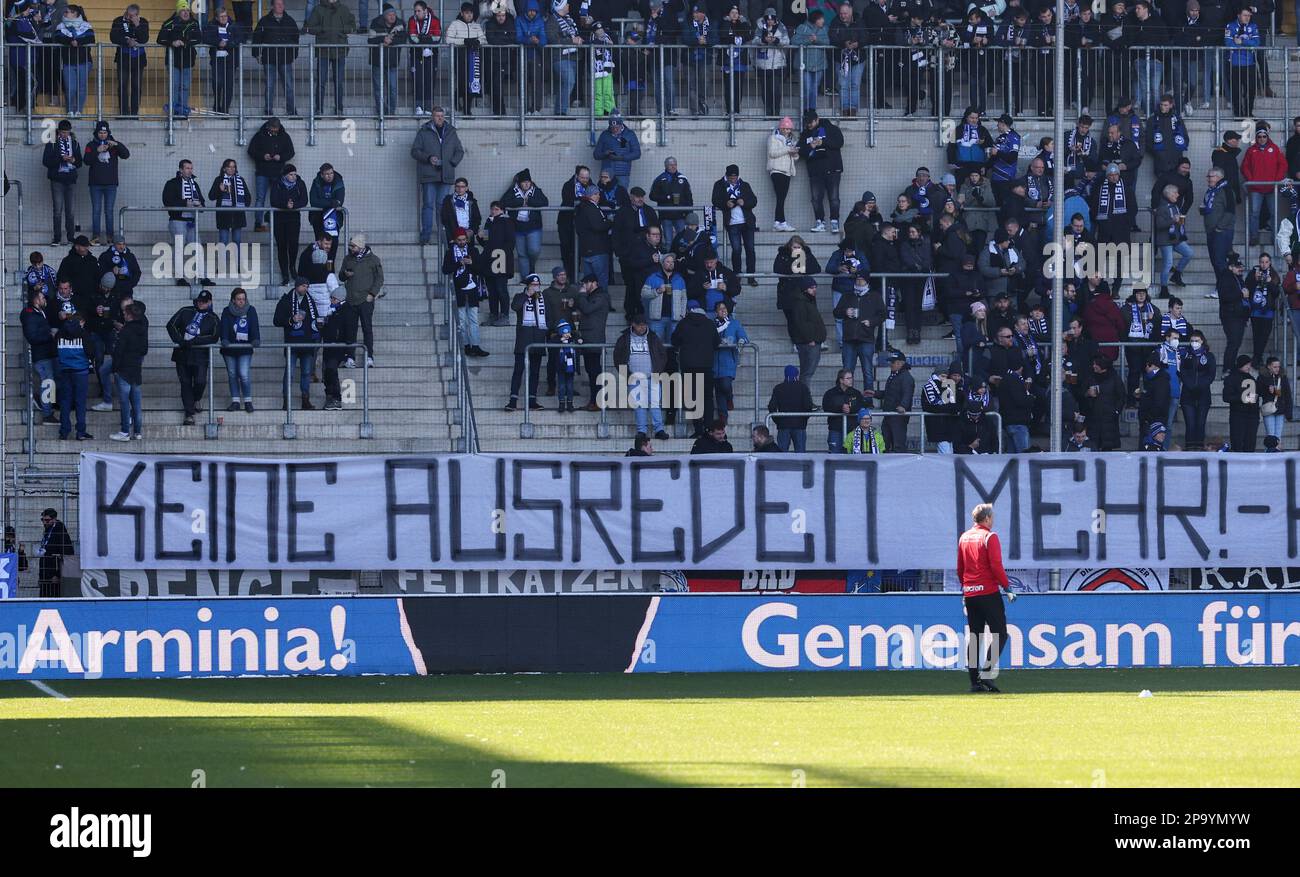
{"points": [[506, 687]]}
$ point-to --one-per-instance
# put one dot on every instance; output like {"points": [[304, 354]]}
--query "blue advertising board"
{"points": [[8, 576], [927, 631], [120, 639]]}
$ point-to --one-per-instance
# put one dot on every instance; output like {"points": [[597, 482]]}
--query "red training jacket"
{"points": [[979, 562]]}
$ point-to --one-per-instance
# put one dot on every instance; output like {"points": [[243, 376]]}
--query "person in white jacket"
{"points": [[465, 34], [782, 153], [771, 38]]}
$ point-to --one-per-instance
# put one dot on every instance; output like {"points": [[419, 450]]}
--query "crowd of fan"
{"points": [[573, 52]]}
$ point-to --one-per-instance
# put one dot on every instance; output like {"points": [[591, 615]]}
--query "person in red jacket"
{"points": [[1104, 322], [983, 579], [1263, 165]]}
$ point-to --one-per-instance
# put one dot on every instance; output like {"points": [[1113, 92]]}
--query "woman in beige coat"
{"points": [[782, 151]]}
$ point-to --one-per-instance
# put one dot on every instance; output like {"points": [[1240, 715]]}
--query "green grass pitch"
{"points": [[910, 728]]}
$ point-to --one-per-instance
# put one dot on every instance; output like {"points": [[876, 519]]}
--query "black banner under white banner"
{"points": [[716, 512]]}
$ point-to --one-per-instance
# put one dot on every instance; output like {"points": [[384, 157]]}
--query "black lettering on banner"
{"points": [[272, 473], [498, 549], [1292, 509], [1040, 509], [427, 510], [117, 507], [871, 481], [763, 509], [298, 507], [1223, 497], [579, 505], [213, 484], [554, 506], [699, 550], [1112, 510], [677, 554], [1181, 513], [1010, 476], [162, 508]]}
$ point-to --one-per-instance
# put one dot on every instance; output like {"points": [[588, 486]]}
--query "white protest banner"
{"points": [[706, 512]]}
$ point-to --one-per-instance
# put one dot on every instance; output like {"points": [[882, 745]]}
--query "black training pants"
{"points": [[984, 611]]}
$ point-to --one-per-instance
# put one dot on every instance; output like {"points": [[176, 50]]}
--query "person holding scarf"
{"points": [[734, 199], [460, 210], [865, 438], [223, 37], [1112, 211], [229, 189], [288, 197], [562, 31], [62, 157], [297, 315], [734, 32], [1166, 137], [424, 32], [192, 329], [102, 155], [76, 36], [182, 191], [461, 265], [466, 37], [536, 313], [1265, 287], [1082, 151], [1142, 319], [240, 335], [130, 34], [970, 148], [528, 223], [698, 35], [327, 194], [602, 70]]}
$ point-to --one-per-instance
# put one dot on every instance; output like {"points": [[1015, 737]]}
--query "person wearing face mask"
{"points": [[1265, 286], [1171, 354], [1197, 372]]}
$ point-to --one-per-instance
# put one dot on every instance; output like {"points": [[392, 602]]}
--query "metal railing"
{"points": [[211, 429], [527, 429], [750, 81], [844, 419], [270, 286]]}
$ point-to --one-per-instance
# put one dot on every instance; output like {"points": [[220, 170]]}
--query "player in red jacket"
{"points": [[983, 579], [1264, 162]]}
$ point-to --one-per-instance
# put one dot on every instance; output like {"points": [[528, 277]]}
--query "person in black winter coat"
{"points": [[129, 350], [695, 339], [1241, 392], [734, 200], [498, 237], [591, 225], [460, 210], [192, 330], [714, 441], [103, 153], [80, 269], [900, 390], [119, 261], [537, 313], [271, 149], [40, 341], [944, 394], [1153, 394], [297, 315], [288, 198], [55, 545], [820, 144], [62, 157], [338, 327], [846, 400], [791, 395], [1016, 405], [1197, 372]]}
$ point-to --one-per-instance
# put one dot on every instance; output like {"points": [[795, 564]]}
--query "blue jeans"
{"points": [[1294, 316], [663, 327], [598, 265], [1184, 251], [1199, 79], [1219, 243], [1273, 425], [238, 374], [431, 195], [467, 322], [1019, 437], [1254, 213], [665, 102], [797, 437], [384, 87], [262, 186], [102, 201], [853, 352], [131, 406], [671, 227], [957, 319], [1175, 402], [75, 77], [226, 235], [564, 387], [1150, 74], [44, 369], [73, 386], [528, 246], [311, 4], [723, 394], [305, 363], [812, 85], [566, 73], [181, 77], [325, 69], [283, 72], [643, 393], [851, 87]]}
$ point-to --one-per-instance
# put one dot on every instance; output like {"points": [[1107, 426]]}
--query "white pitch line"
{"points": [[45, 689]]}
